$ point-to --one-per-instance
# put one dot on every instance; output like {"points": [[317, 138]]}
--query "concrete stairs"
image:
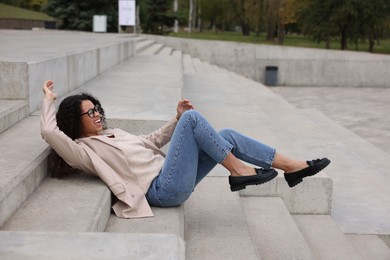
{"points": [[48, 217], [287, 206], [11, 112], [71, 218], [23, 152], [70, 62], [215, 224]]}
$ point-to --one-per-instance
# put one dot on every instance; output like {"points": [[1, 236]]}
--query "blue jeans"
{"points": [[195, 149]]}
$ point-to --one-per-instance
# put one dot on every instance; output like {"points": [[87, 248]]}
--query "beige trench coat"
{"points": [[100, 156]]}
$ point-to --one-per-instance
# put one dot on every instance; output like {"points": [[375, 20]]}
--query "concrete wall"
{"points": [[13, 80], [23, 80], [296, 66], [24, 24]]}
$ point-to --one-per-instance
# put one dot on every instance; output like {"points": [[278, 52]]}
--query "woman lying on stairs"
{"points": [[138, 172]]}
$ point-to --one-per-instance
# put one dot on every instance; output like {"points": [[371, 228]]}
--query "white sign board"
{"points": [[127, 12], [100, 23]]}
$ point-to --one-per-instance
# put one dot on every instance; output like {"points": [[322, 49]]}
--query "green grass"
{"points": [[12, 12], [290, 40]]}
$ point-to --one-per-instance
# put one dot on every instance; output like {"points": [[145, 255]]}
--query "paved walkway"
{"points": [[361, 110], [24, 45]]}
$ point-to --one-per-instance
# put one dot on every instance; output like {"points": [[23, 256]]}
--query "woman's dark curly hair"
{"points": [[69, 122]]}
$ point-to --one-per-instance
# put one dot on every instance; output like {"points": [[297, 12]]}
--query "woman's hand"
{"points": [[182, 107], [48, 90]]}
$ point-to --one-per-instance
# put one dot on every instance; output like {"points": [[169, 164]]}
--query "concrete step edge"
{"points": [[188, 65], [165, 220], [199, 67], [274, 232], [96, 245], [207, 66], [177, 53], [141, 39], [385, 239], [312, 196], [161, 47], [143, 45], [16, 192], [166, 51], [215, 224], [369, 246], [24, 164], [11, 112], [153, 49], [80, 203], [325, 238]]}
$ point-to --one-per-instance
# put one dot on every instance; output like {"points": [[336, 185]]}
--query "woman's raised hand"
{"points": [[48, 90], [182, 107]]}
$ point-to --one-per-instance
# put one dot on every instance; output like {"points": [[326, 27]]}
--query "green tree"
{"points": [[287, 16], [258, 14], [315, 20], [217, 14], [271, 18], [241, 10], [374, 19], [157, 14], [78, 15], [34, 5], [348, 20]]}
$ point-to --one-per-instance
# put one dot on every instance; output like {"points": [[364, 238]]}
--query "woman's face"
{"points": [[91, 126]]}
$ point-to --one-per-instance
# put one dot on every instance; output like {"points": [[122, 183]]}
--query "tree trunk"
{"points": [[212, 24], [138, 21], [371, 41], [243, 20], [194, 16], [371, 46], [258, 31], [270, 20], [200, 25], [327, 43], [260, 17], [344, 39], [245, 29], [175, 9], [190, 15], [270, 30], [281, 25], [280, 32]]}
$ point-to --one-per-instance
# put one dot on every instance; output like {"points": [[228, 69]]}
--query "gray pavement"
{"points": [[364, 111], [17, 45]]}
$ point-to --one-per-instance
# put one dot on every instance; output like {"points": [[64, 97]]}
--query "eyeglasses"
{"points": [[91, 111]]}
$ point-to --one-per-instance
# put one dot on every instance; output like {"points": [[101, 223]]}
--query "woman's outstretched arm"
{"points": [[72, 153], [163, 135]]}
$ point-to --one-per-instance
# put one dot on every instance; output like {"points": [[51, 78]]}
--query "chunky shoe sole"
{"points": [[315, 166], [252, 180]]}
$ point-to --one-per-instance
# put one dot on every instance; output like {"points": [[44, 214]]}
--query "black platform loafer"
{"points": [[262, 176], [315, 166]]}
